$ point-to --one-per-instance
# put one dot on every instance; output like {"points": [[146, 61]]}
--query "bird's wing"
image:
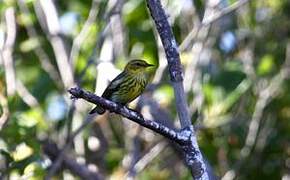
{"points": [[113, 86]]}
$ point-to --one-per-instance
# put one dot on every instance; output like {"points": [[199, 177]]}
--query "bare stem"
{"points": [[192, 153], [173, 59], [185, 137], [7, 51], [60, 157], [179, 137], [82, 171]]}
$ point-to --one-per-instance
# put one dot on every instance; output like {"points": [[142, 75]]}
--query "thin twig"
{"points": [[60, 157], [74, 54], [105, 45], [6, 52], [83, 33], [118, 30], [82, 171], [134, 153], [265, 132], [26, 96], [91, 60], [5, 110], [148, 157], [265, 96], [161, 60], [100, 39], [224, 12], [53, 28], [209, 20], [39, 51], [179, 137]]}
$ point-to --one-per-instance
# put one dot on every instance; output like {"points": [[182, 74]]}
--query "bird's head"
{"points": [[137, 66]]}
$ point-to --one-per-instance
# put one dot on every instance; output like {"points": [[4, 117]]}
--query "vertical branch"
{"points": [[192, 154], [6, 51], [117, 29], [43, 58], [192, 73], [265, 96], [105, 45], [83, 33], [173, 59], [5, 110], [53, 28]]}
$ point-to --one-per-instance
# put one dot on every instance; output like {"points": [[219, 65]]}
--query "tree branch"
{"points": [[80, 38], [60, 157], [47, 15], [43, 57], [192, 153], [52, 151], [7, 51], [182, 137], [207, 21], [172, 55], [161, 116], [185, 138]]}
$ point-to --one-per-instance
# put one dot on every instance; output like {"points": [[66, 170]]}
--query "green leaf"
{"points": [[266, 65]]}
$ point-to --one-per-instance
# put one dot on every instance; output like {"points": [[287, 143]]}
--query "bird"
{"points": [[127, 86]]}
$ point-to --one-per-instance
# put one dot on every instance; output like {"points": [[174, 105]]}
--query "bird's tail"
{"points": [[98, 109]]}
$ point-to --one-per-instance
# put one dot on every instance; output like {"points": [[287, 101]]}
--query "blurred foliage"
{"points": [[242, 53]]}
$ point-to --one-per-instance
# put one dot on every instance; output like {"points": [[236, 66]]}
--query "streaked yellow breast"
{"points": [[131, 89]]}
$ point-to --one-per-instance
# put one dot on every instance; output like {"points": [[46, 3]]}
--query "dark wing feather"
{"points": [[113, 86]]}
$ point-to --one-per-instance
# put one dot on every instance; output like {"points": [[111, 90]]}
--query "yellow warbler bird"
{"points": [[127, 86]]}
